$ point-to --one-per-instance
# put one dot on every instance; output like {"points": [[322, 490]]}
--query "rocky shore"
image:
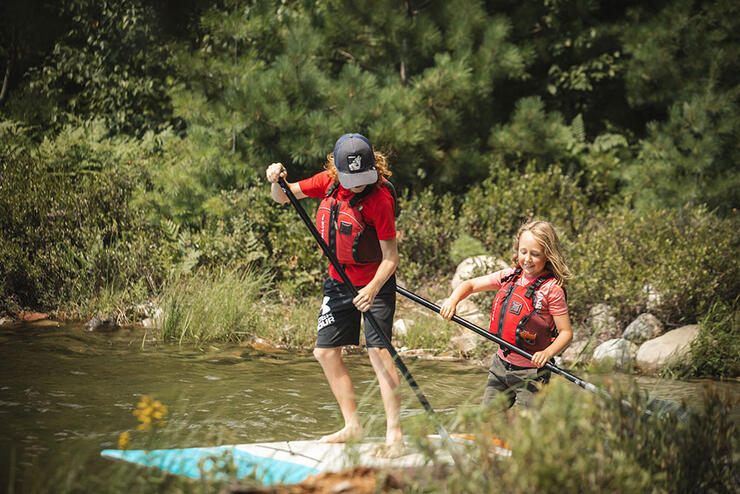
{"points": [[643, 345]]}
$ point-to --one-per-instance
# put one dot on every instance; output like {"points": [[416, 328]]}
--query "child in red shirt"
{"points": [[355, 171], [538, 276]]}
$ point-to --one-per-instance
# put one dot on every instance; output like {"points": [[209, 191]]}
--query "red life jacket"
{"points": [[514, 317], [344, 230]]}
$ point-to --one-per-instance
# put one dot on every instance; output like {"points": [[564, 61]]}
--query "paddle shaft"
{"points": [[486, 334], [369, 317]]}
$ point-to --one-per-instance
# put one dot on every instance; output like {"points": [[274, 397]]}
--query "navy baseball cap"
{"points": [[355, 161]]}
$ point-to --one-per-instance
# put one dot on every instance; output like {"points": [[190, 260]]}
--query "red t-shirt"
{"points": [[549, 299], [377, 210]]}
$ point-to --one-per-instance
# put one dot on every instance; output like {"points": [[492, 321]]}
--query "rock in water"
{"points": [[96, 325]]}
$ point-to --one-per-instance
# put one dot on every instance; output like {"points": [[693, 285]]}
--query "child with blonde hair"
{"points": [[529, 311]]}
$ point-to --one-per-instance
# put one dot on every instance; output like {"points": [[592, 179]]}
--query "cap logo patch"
{"points": [[354, 162]]}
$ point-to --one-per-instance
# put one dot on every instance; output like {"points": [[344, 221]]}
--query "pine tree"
{"points": [[684, 61]]}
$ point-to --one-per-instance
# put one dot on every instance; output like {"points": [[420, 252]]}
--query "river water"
{"points": [[66, 394]]}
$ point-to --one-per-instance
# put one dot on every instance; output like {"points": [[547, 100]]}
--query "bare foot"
{"points": [[392, 449], [341, 436]]}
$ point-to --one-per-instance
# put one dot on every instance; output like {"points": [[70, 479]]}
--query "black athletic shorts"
{"points": [[339, 319]]}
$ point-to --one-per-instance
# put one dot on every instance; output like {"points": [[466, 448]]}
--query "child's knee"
{"points": [[326, 354]]}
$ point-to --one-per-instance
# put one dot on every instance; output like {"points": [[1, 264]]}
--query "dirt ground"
{"points": [[359, 480]]}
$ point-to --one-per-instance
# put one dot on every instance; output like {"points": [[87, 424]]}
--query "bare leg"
{"points": [[390, 391], [341, 385]]}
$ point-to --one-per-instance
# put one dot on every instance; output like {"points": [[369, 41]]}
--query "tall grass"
{"points": [[215, 306]]}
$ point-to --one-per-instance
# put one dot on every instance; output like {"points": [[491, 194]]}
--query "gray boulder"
{"points": [[576, 352], [645, 327], [465, 343], [476, 266], [618, 350], [667, 348], [155, 321], [401, 326], [96, 325], [603, 322], [467, 309]]}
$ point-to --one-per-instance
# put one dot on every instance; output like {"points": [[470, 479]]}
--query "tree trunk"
{"points": [[6, 81]]}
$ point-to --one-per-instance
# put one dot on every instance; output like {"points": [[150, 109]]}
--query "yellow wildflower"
{"points": [[150, 412], [123, 440]]}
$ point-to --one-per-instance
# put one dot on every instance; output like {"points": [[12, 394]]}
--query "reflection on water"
{"points": [[65, 393]]}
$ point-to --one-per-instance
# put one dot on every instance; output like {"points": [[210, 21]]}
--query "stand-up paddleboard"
{"points": [[285, 462]]}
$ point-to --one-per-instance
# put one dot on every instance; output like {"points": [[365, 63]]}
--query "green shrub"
{"points": [[67, 231], [716, 350], [605, 446], [682, 254], [295, 256], [494, 211], [426, 229], [465, 246]]}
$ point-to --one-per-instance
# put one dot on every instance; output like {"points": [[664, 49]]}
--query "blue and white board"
{"points": [[286, 462]]}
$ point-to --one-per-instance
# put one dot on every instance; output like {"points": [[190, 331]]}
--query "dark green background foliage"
{"points": [[135, 136], [69, 231]]}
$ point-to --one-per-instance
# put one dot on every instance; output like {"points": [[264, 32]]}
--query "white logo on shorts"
{"points": [[325, 306], [325, 317]]}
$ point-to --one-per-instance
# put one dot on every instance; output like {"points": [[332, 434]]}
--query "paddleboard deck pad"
{"points": [[286, 462]]}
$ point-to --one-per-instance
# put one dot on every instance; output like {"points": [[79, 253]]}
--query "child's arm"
{"points": [[274, 171], [463, 290], [565, 334], [365, 295]]}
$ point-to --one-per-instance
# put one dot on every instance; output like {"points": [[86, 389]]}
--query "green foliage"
{"points": [[426, 229], [281, 81], [692, 157], [494, 210], [716, 350], [109, 64], [682, 254], [619, 448], [576, 61], [537, 139], [67, 232], [217, 306], [682, 61], [532, 134], [677, 50], [465, 246]]}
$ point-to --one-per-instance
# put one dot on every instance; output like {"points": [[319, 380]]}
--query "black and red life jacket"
{"points": [[344, 230], [514, 317]]}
